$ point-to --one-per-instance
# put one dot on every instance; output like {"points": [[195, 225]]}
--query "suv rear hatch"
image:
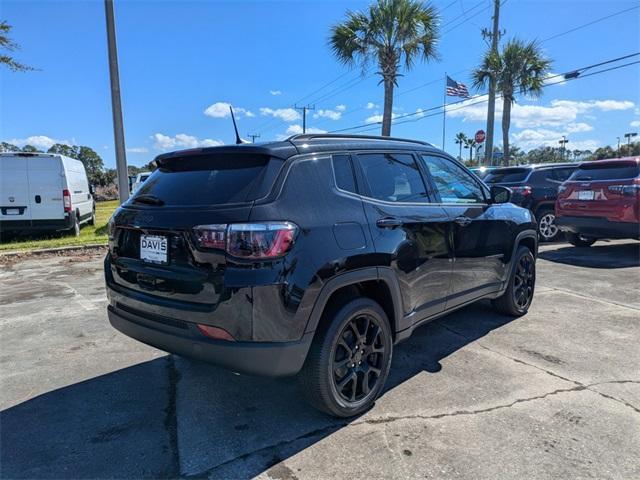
{"points": [[154, 250], [607, 189], [515, 178]]}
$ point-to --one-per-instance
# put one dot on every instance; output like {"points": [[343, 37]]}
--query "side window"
{"points": [[561, 174], [344, 173], [393, 177], [453, 183]]}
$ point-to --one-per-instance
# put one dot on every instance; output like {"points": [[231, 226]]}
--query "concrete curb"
{"points": [[13, 253]]}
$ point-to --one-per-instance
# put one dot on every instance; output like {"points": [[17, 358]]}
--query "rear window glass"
{"points": [[612, 171], [507, 176], [209, 181], [344, 173]]}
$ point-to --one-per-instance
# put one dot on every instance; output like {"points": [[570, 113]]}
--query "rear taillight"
{"points": [[248, 240], [66, 200], [626, 190], [524, 191]]}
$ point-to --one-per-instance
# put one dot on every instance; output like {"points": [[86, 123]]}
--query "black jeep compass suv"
{"points": [[312, 256]]}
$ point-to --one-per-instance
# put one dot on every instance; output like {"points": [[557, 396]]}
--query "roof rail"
{"points": [[312, 136]]}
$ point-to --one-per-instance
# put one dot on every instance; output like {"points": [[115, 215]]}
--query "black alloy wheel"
{"points": [[358, 358], [349, 360], [524, 282]]}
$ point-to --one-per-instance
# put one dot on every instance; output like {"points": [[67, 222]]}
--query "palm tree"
{"points": [[460, 139], [470, 143], [390, 33], [520, 68]]}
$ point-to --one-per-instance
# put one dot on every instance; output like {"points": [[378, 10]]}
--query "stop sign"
{"points": [[480, 136]]}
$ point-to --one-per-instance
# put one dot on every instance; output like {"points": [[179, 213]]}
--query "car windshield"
{"points": [[507, 175], [606, 171]]}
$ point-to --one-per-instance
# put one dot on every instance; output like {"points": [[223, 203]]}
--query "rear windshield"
{"points": [[211, 180], [604, 171], [509, 175]]}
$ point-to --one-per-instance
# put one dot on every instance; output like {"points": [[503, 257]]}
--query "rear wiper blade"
{"points": [[148, 199]]}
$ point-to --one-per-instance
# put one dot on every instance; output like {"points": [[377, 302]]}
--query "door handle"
{"points": [[462, 221], [389, 222]]}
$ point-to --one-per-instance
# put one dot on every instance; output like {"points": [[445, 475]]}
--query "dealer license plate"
{"points": [[153, 248], [586, 195]]}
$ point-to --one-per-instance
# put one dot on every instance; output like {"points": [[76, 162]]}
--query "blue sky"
{"points": [[180, 62]]}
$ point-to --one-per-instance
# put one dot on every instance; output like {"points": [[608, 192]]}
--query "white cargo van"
{"points": [[43, 191]]}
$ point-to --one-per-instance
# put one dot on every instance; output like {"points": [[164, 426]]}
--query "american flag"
{"points": [[456, 89]]}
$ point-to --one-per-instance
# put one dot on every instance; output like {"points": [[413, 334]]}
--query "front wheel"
{"points": [[578, 240], [517, 298], [349, 360]]}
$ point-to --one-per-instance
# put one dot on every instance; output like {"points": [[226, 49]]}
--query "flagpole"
{"points": [[444, 110]]}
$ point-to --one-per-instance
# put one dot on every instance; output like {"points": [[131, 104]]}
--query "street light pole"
{"points": [[628, 136], [563, 143], [116, 105]]}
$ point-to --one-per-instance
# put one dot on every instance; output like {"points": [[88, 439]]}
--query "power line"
{"points": [[576, 72], [589, 24]]}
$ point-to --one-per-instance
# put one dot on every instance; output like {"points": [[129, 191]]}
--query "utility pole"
{"points": [[494, 35], [563, 144], [116, 105], [628, 136], [253, 136], [304, 115]]}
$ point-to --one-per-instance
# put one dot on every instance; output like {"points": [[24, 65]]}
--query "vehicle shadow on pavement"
{"points": [[600, 255], [172, 416]]}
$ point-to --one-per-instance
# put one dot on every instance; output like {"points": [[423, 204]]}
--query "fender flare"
{"points": [[383, 274], [521, 236]]}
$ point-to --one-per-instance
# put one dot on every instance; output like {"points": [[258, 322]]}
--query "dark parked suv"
{"points": [[312, 256], [535, 187]]}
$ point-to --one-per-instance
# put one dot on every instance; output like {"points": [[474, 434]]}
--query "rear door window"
{"points": [[611, 171], [211, 180], [393, 177], [507, 175]]}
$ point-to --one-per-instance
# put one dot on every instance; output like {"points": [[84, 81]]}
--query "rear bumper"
{"points": [[598, 227], [35, 225], [271, 359]]}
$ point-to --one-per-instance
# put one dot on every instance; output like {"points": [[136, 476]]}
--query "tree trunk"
{"points": [[388, 107], [460, 154], [506, 123]]}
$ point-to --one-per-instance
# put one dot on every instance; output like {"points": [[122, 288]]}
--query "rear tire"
{"points": [[92, 220], [579, 241], [75, 229], [516, 300], [349, 360], [547, 229]]}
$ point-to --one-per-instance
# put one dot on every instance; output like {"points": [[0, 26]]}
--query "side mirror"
{"points": [[500, 194], [91, 189]]}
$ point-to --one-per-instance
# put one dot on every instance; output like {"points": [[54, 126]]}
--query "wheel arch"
{"points": [[377, 283]]}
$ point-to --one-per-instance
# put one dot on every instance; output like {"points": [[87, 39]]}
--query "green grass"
{"points": [[89, 234]]}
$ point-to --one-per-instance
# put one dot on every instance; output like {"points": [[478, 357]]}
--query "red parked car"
{"points": [[601, 199]]}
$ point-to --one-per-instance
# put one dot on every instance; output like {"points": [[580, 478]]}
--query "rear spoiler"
{"points": [[281, 151]]}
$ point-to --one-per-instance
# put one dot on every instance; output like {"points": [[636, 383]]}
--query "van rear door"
{"points": [[46, 182], [14, 188]]}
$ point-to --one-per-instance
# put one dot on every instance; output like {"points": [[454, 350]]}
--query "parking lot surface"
{"points": [[554, 394]]}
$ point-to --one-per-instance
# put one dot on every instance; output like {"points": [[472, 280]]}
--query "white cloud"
{"points": [[578, 127], [331, 114], [286, 114], [542, 137], [635, 123], [41, 142], [377, 118], [137, 149], [221, 110], [275, 92], [558, 113], [371, 106], [419, 113], [182, 140], [296, 129]]}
